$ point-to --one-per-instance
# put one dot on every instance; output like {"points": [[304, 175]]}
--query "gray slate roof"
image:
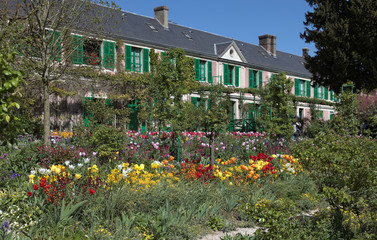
{"points": [[134, 28]]}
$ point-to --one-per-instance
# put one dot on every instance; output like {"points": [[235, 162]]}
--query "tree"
{"points": [[43, 38], [9, 80], [345, 36], [277, 107], [173, 78], [214, 117]]}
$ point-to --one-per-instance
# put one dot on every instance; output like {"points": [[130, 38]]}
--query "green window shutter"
{"points": [[145, 60], [164, 54], [326, 93], [77, 55], [128, 50], [297, 87], [108, 55], [332, 95], [308, 89], [237, 76], [106, 51], [210, 77], [226, 74], [260, 79], [316, 91], [197, 71], [251, 78]]}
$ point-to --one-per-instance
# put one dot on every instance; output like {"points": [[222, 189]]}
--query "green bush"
{"points": [[104, 139], [345, 171]]}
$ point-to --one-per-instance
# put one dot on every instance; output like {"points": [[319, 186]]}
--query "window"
{"points": [[200, 70], [231, 75], [93, 52], [253, 78], [136, 59], [320, 92], [302, 88]]}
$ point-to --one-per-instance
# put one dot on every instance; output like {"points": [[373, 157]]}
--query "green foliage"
{"points": [[238, 236], [215, 223], [104, 139], [102, 111], [278, 111], [315, 124], [346, 121], [9, 81], [344, 33], [174, 77], [344, 169]]}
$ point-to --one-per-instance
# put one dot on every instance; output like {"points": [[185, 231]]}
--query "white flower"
{"points": [[125, 172], [66, 163], [120, 167], [86, 160], [42, 171], [79, 165], [48, 171], [291, 170], [32, 172], [287, 165], [71, 167]]}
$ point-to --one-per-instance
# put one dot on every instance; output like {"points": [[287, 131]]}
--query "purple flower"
{"points": [[14, 175], [5, 226]]}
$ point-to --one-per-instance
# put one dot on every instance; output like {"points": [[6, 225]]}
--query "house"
{"points": [[218, 59], [235, 63]]}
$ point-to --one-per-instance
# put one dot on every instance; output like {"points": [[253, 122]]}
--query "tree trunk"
{"points": [[46, 113]]}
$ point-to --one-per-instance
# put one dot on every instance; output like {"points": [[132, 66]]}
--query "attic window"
{"points": [[187, 35], [231, 53], [152, 27]]}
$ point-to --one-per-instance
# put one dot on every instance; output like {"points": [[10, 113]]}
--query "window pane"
{"points": [[202, 71], [135, 59]]}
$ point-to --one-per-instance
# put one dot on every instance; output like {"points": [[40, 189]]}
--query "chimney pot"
{"points": [[162, 16], [268, 42], [305, 52]]}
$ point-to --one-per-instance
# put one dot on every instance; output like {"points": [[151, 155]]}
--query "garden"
{"points": [[103, 183], [187, 176]]}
